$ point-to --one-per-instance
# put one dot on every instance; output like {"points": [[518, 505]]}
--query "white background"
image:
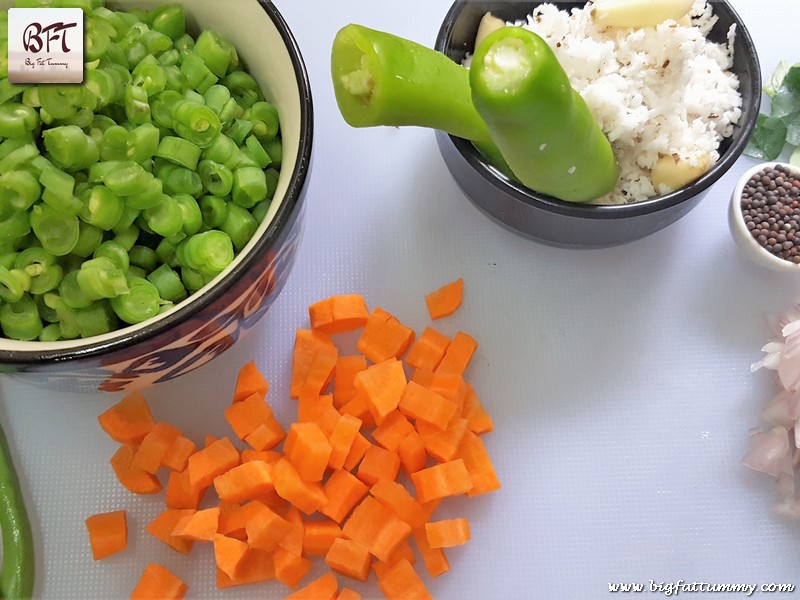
{"points": [[618, 379]]}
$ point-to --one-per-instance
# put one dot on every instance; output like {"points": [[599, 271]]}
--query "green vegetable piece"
{"points": [[249, 186], [168, 283], [95, 319], [115, 252], [17, 119], [142, 301], [542, 126], [215, 51], [239, 224], [71, 147], [19, 190], [101, 278], [57, 231], [137, 108], [208, 252], [19, 320], [179, 151], [217, 178], [13, 284], [89, 238], [170, 20]]}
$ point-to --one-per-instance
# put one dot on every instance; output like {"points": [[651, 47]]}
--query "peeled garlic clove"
{"points": [[672, 172], [489, 23], [638, 13]]}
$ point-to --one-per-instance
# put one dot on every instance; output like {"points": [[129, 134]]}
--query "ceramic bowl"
{"points": [[204, 325], [745, 242], [566, 224]]}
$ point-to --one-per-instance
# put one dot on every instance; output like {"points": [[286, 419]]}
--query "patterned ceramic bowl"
{"points": [[207, 323]]}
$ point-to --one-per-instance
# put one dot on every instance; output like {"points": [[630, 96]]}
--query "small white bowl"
{"points": [[742, 236]]}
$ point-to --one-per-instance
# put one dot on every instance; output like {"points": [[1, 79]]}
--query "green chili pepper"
{"points": [[542, 126], [382, 79], [16, 577]]}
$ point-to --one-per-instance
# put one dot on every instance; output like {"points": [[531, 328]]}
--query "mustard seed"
{"points": [[770, 206]]}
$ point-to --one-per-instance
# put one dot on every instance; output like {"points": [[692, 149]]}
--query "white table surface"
{"points": [[618, 379]]}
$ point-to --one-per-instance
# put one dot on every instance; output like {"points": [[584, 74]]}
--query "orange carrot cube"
{"points": [[428, 349], [349, 558], [439, 481], [382, 384], [216, 458], [337, 314], [308, 449], [158, 582], [129, 420], [343, 490], [155, 445], [137, 481], [445, 300], [108, 533], [447, 533], [250, 381], [378, 463], [384, 337], [244, 416]]}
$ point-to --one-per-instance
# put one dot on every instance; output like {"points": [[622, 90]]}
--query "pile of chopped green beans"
{"points": [[124, 195]]}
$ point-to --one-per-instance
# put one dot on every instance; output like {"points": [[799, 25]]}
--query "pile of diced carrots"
{"points": [[382, 436]]}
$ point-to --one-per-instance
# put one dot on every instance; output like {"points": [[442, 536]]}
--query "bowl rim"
{"points": [[280, 221], [741, 234], [611, 211]]}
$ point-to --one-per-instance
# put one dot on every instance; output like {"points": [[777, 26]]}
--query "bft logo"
{"points": [[45, 45]]}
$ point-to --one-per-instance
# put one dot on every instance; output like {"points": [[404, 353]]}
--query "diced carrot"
{"points": [[377, 527], [434, 559], [137, 481], [337, 314], [308, 449], [308, 343], [177, 456], [341, 439], [458, 354], [479, 465], [343, 490], [245, 481], [150, 454], [439, 481], [445, 300], [255, 566], [394, 496], [357, 450], [348, 594], [359, 408], [423, 376], [290, 569], [349, 558], [382, 384], [324, 587], [428, 349], [129, 420], [214, 459], [448, 533], [318, 536], [346, 369], [320, 371], [378, 463], [411, 451], [450, 385], [244, 416], [199, 526], [209, 439], [305, 495], [479, 420], [392, 430], [442, 444], [250, 381], [266, 436], [265, 528], [158, 582], [293, 541], [401, 582], [268, 456], [164, 524], [228, 554], [421, 403], [181, 493], [384, 337], [108, 533], [404, 550], [318, 409], [233, 518]]}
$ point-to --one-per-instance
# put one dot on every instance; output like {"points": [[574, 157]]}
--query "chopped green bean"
{"points": [[57, 231], [20, 319], [217, 179], [144, 257], [89, 238], [115, 252], [249, 186], [208, 252], [168, 283], [179, 151], [239, 224]]}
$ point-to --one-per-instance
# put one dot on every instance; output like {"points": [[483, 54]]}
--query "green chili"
{"points": [[544, 129], [17, 575]]}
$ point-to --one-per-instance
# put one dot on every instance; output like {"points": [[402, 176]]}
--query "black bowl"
{"points": [[212, 319], [567, 224]]}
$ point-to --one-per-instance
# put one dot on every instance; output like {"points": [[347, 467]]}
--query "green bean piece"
{"points": [[95, 42], [229, 111], [135, 52], [178, 180], [176, 80], [14, 225], [60, 101], [44, 272], [128, 237], [170, 20], [163, 105], [184, 43], [217, 179], [191, 215], [247, 99], [137, 108], [43, 304], [8, 90], [114, 144], [8, 258], [67, 320], [239, 130], [98, 171], [239, 224], [19, 190], [249, 186], [213, 210], [199, 76], [127, 178], [103, 85], [89, 238], [149, 195], [50, 333], [16, 119], [20, 321], [17, 157], [274, 148], [246, 159], [114, 251], [142, 142], [216, 52], [97, 128], [95, 319], [165, 218], [30, 95], [216, 97], [169, 58], [168, 283], [257, 152], [223, 150], [13, 284], [149, 75], [179, 151], [167, 252], [193, 279], [144, 257], [196, 123], [265, 118], [57, 231], [272, 176], [102, 208], [142, 302], [259, 211], [17, 574], [239, 81], [9, 145], [71, 147], [100, 278], [208, 252], [155, 42]]}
